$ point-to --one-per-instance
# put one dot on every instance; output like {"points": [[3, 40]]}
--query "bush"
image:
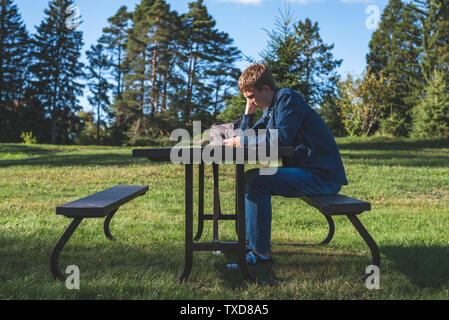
{"points": [[28, 138]]}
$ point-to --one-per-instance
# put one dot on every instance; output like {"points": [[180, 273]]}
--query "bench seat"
{"points": [[337, 204], [331, 205], [99, 205]]}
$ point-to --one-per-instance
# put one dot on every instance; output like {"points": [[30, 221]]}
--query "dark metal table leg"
{"points": [[217, 209], [237, 201], [57, 274], [188, 223], [106, 229], [200, 202], [240, 182], [375, 254]]}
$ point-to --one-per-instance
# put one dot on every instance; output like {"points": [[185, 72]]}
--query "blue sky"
{"points": [[345, 23]]}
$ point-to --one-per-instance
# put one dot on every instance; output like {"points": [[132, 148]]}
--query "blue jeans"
{"points": [[288, 183]]}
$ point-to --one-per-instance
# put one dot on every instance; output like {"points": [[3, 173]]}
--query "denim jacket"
{"points": [[298, 126]]}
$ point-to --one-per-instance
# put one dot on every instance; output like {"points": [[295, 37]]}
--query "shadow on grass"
{"points": [[395, 159], [29, 149], [115, 270], [393, 144], [292, 266], [75, 159], [384, 152], [424, 266]]}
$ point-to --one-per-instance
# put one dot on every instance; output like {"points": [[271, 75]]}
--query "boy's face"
{"points": [[260, 99]]}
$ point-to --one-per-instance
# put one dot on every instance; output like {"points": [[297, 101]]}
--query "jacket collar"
{"points": [[273, 102]]}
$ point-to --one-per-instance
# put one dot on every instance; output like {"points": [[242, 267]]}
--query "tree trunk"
{"points": [[153, 81]]}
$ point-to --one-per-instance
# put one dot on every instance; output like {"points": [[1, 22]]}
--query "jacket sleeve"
{"points": [[247, 123], [289, 115], [248, 120]]}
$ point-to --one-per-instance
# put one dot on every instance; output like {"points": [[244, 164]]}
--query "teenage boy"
{"points": [[315, 168]]}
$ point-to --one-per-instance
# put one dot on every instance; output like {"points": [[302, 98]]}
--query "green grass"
{"points": [[407, 182]]}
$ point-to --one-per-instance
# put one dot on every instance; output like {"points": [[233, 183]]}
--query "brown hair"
{"points": [[255, 77]]}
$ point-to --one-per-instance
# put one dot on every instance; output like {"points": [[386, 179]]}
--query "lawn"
{"points": [[406, 181]]}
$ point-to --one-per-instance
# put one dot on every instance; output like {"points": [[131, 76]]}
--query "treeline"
{"points": [[405, 88], [154, 70]]}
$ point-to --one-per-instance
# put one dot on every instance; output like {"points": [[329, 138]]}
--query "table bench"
{"points": [[99, 205], [227, 155], [343, 205], [328, 205]]}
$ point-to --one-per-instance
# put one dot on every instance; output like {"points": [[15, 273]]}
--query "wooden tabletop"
{"points": [[196, 153]]}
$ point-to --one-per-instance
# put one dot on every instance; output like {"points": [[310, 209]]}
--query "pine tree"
{"points": [[14, 47], [115, 38], [99, 64], [164, 27], [223, 75], [151, 50], [281, 54], [181, 68], [432, 113], [200, 35], [56, 70], [14, 61], [299, 59], [395, 50], [434, 16], [316, 66]]}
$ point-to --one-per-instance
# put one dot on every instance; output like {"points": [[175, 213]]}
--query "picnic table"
{"points": [[232, 156]]}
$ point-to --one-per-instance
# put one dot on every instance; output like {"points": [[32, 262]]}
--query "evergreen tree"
{"points": [[432, 112], [434, 16], [14, 61], [200, 36], [316, 67], [223, 74], [300, 60], [56, 69], [431, 116], [115, 38], [151, 50], [395, 50], [281, 54], [181, 68], [99, 64]]}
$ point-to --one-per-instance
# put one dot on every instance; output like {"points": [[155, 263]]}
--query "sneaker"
{"points": [[253, 258]]}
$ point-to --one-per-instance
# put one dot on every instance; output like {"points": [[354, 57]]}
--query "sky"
{"points": [[348, 24]]}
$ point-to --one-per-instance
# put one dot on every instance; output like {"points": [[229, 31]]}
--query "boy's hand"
{"points": [[232, 142], [250, 107]]}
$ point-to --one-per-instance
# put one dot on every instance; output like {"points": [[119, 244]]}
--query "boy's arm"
{"points": [[248, 119], [289, 119], [245, 124]]}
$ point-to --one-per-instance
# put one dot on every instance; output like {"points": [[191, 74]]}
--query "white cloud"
{"points": [[305, 1], [244, 1], [356, 1]]}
